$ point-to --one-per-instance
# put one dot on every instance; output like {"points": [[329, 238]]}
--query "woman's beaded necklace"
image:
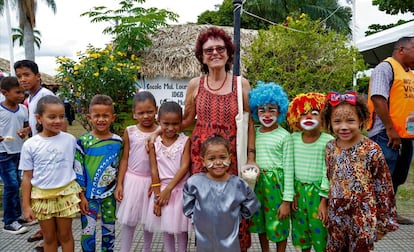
{"points": [[217, 89]]}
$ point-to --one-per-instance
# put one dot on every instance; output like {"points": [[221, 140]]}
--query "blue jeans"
{"points": [[398, 161], [11, 181]]}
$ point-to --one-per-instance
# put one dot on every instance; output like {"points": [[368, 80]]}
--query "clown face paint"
{"points": [[268, 121], [268, 115], [310, 120]]}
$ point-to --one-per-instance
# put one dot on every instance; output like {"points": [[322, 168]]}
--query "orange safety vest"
{"points": [[400, 101]]}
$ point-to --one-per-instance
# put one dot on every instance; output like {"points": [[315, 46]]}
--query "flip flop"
{"points": [[39, 248], [36, 236]]}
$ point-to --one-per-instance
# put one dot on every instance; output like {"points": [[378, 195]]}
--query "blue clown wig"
{"points": [[268, 93]]}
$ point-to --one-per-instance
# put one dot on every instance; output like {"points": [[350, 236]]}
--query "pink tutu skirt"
{"points": [[172, 219], [134, 206]]}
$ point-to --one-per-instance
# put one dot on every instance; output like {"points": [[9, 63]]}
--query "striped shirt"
{"points": [[274, 150], [309, 161]]}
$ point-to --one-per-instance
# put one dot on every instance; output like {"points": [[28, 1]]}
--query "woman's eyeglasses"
{"points": [[218, 49]]}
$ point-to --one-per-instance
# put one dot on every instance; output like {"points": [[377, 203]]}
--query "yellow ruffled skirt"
{"points": [[62, 202]]}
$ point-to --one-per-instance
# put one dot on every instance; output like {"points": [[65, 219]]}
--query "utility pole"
{"points": [[236, 39]]}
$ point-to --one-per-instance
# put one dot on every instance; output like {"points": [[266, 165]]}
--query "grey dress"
{"points": [[216, 209]]}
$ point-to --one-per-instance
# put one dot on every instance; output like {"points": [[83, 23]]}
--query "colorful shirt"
{"points": [[274, 150], [309, 160], [97, 162]]}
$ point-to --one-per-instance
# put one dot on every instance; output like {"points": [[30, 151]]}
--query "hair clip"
{"points": [[335, 98]]}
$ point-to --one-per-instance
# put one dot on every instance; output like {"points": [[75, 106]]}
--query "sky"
{"points": [[65, 33]]}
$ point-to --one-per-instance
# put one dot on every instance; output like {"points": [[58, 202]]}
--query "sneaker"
{"points": [[15, 228], [26, 223]]}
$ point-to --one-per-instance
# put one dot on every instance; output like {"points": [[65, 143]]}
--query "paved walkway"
{"points": [[399, 241]]}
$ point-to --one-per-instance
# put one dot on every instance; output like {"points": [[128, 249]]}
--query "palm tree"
{"points": [[18, 35], [329, 12], [332, 15], [27, 21]]}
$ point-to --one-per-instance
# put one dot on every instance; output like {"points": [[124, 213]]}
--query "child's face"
{"points": [[170, 124], [310, 121], [101, 117], [52, 119], [346, 124], [27, 79], [15, 95], [268, 115], [217, 160], [145, 112]]}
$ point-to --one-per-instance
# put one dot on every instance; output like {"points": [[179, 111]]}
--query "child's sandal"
{"points": [[36, 236]]}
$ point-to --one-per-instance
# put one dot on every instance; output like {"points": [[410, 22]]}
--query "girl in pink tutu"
{"points": [[170, 163], [134, 177]]}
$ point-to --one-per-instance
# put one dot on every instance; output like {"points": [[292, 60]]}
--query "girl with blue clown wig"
{"points": [[268, 93], [274, 156]]}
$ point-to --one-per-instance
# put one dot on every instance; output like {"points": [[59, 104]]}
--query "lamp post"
{"points": [[236, 39]]}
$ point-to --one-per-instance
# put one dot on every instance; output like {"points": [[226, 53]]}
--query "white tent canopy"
{"points": [[376, 47]]}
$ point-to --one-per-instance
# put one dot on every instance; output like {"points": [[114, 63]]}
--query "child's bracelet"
{"points": [[156, 185]]}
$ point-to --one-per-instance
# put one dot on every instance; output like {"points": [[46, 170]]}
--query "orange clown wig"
{"points": [[303, 104]]}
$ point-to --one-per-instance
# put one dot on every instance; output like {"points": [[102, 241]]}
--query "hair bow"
{"points": [[335, 98]]}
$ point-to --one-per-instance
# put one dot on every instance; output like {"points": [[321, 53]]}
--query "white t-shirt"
{"points": [[50, 158], [33, 99], [10, 122]]}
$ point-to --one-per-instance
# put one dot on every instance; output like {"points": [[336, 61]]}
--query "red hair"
{"points": [[216, 33]]}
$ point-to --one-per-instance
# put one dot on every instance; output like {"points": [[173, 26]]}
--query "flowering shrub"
{"points": [[100, 71]]}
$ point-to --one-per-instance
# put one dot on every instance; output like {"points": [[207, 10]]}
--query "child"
{"points": [[361, 204], [97, 159], [27, 72], [134, 178], [170, 161], [217, 201], [311, 184], [274, 156], [50, 192], [13, 129]]}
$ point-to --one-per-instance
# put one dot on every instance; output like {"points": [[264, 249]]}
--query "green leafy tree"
{"points": [[18, 36], [395, 6], [113, 70], [131, 24], [374, 28], [100, 71], [334, 16], [303, 57]]}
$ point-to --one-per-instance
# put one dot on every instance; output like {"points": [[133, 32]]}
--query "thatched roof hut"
{"points": [[47, 79], [172, 53]]}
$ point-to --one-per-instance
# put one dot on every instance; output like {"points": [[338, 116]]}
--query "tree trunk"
{"points": [[28, 41]]}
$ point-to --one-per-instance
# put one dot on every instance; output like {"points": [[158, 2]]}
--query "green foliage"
{"points": [[131, 24], [334, 17], [303, 57], [393, 7], [100, 71], [18, 36], [363, 84], [374, 28]]}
